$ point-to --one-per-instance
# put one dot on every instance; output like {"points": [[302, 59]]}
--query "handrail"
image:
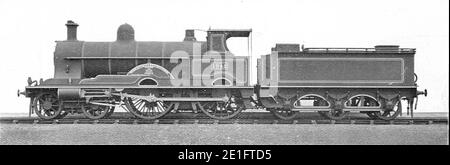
{"points": [[119, 58], [358, 50]]}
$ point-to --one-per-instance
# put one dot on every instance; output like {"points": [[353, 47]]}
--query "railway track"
{"points": [[244, 118], [232, 121]]}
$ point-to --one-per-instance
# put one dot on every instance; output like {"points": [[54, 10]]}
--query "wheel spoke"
{"points": [[145, 109], [140, 106], [160, 106], [139, 102]]}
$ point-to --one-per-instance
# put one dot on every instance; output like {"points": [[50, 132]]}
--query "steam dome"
{"points": [[125, 33]]}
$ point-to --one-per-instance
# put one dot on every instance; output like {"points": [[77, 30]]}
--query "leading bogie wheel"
{"points": [[47, 106], [93, 111]]}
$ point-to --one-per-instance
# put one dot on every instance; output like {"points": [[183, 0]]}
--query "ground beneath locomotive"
{"points": [[246, 134]]}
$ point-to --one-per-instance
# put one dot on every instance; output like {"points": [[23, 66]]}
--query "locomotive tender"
{"points": [[150, 79]]}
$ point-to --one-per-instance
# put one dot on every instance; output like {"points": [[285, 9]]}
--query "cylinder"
{"points": [[69, 93]]}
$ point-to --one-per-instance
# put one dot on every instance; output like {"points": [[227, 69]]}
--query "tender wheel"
{"points": [[284, 114], [336, 114], [92, 111], [47, 106], [221, 110], [147, 110], [389, 114]]}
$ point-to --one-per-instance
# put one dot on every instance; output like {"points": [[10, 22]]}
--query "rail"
{"points": [[229, 121], [243, 118]]}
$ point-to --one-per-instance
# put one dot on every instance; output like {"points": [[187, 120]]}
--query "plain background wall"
{"points": [[28, 30]]}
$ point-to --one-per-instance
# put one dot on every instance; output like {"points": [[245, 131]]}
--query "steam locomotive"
{"points": [[149, 79]]}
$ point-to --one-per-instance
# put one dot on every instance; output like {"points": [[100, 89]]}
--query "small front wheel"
{"points": [[47, 106], [92, 111]]}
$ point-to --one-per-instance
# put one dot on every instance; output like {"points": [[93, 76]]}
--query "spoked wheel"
{"points": [[47, 106], [93, 111], [389, 114], [221, 110], [284, 114], [147, 110], [336, 114]]}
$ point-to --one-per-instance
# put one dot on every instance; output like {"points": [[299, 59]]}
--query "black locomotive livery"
{"points": [[150, 79]]}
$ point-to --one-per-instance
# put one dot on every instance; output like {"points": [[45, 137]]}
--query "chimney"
{"points": [[190, 36], [71, 30]]}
